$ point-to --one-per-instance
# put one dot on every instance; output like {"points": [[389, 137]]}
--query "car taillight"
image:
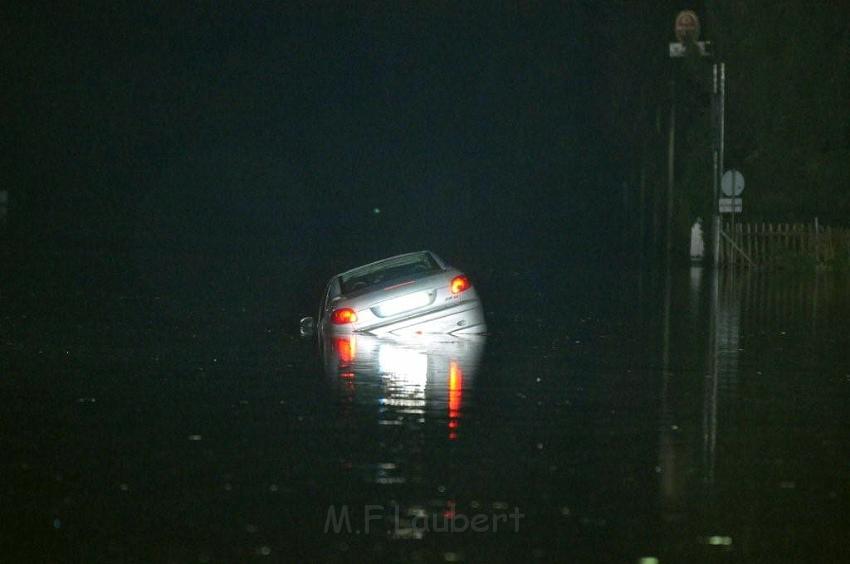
{"points": [[459, 284], [343, 315]]}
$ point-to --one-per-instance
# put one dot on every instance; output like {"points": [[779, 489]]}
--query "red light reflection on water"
{"points": [[346, 349], [455, 397]]}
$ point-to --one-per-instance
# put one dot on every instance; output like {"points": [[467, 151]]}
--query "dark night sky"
{"points": [[213, 128]]}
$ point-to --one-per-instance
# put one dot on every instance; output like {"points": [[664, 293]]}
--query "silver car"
{"points": [[409, 294]]}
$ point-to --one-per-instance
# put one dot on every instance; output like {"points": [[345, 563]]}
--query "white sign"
{"points": [[731, 205], [732, 183], [679, 49]]}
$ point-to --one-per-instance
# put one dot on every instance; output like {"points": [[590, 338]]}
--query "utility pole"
{"points": [[719, 101], [671, 170], [687, 30]]}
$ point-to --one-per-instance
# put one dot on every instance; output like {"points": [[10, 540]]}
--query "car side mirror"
{"points": [[308, 327]]}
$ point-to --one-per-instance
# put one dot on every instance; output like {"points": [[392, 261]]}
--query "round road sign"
{"points": [[687, 26], [732, 183]]}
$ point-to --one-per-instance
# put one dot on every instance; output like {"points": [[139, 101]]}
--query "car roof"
{"points": [[385, 259]]}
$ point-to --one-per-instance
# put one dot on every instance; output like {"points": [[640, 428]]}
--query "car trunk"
{"points": [[399, 300]]}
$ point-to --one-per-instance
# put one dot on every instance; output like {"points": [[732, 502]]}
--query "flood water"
{"points": [[607, 417]]}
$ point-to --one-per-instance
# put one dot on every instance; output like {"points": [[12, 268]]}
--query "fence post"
{"points": [[750, 240], [764, 241], [739, 236], [795, 237], [817, 243], [829, 252], [768, 241], [847, 243]]}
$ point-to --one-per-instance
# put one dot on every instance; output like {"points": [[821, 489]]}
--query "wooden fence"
{"points": [[783, 244]]}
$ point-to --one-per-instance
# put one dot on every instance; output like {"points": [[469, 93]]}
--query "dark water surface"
{"points": [[154, 416]]}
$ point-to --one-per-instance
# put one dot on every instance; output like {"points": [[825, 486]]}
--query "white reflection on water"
{"points": [[404, 394], [419, 381], [405, 375]]}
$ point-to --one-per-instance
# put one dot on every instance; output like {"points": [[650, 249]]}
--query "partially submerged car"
{"points": [[409, 294]]}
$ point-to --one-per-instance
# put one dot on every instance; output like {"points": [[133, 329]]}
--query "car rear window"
{"points": [[389, 270]]}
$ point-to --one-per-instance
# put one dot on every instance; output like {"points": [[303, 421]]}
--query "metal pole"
{"points": [[817, 243], [671, 150], [715, 228], [722, 117], [733, 218], [722, 112], [709, 413]]}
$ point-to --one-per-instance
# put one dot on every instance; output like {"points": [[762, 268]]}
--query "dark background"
{"points": [[529, 136]]}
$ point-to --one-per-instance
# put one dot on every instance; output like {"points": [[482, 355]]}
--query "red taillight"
{"points": [[459, 284], [343, 315]]}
